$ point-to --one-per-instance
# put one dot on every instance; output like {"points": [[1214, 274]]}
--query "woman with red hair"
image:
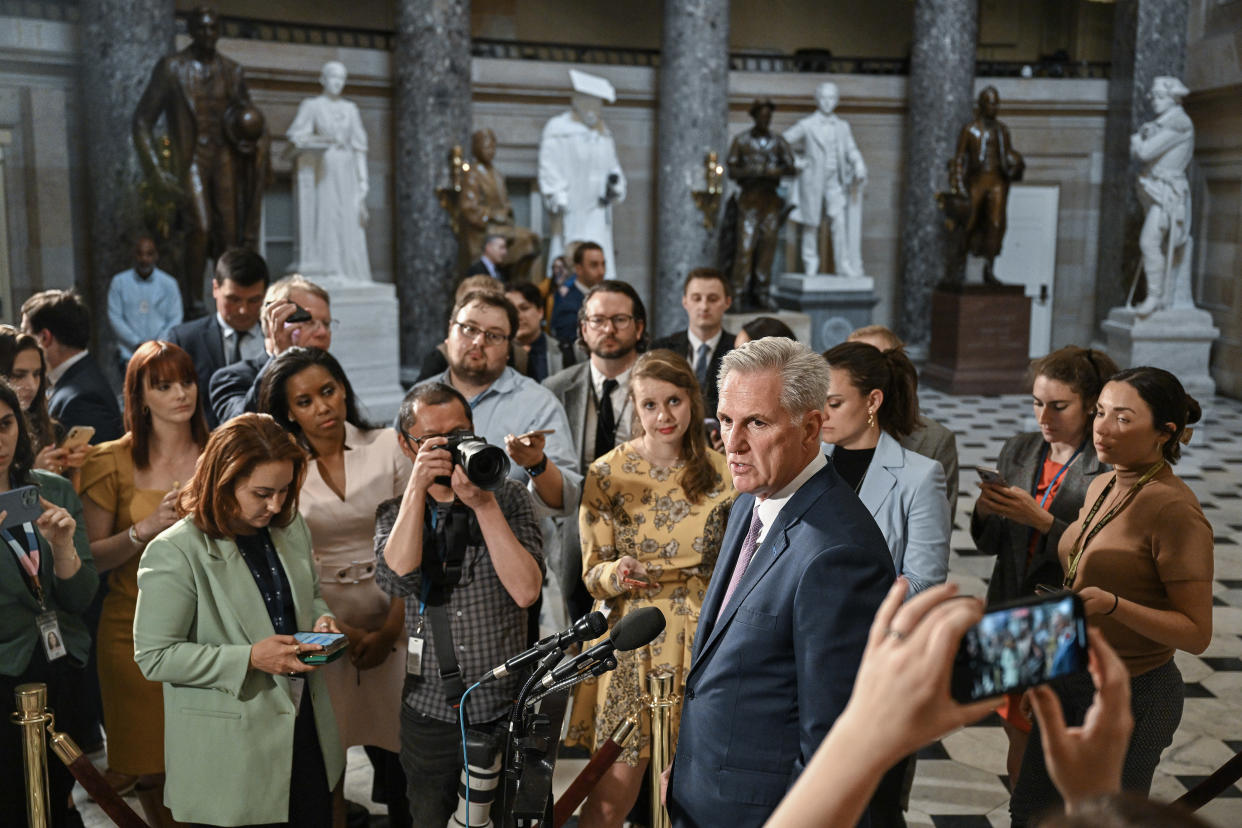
{"points": [[129, 489]]}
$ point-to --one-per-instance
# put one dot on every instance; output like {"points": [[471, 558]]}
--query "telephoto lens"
{"points": [[486, 465]]}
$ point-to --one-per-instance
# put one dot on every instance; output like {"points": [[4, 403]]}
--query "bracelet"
{"points": [[539, 468], [134, 539], [1116, 598]]}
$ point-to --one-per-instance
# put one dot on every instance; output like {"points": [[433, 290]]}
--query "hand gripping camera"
{"points": [[486, 465]]}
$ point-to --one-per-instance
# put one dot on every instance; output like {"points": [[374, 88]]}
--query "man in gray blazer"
{"points": [[612, 324]]}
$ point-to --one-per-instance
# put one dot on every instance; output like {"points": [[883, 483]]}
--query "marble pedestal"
{"points": [[1179, 340], [365, 342], [980, 338], [799, 323], [837, 305]]}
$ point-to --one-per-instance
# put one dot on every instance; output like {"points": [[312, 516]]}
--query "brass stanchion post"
{"points": [[660, 701], [31, 717]]}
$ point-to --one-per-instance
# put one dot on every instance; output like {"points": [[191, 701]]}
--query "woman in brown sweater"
{"points": [[1140, 558]]}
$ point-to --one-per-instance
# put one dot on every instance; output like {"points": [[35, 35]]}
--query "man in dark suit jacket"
{"points": [[802, 570], [81, 394], [706, 295], [232, 333], [495, 248]]}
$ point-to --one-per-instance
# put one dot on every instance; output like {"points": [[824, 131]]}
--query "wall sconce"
{"points": [[450, 196], [709, 200]]}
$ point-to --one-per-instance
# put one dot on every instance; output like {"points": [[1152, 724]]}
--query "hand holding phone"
{"points": [[78, 436], [990, 475]]}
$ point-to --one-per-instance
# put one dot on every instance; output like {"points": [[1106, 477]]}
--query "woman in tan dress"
{"points": [[653, 515], [129, 489], [354, 468]]}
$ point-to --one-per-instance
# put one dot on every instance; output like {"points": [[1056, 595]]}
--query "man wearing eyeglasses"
{"points": [[234, 388], [612, 325]]}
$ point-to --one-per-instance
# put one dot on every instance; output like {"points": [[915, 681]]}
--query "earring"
{"points": [[870, 419], [146, 411]]}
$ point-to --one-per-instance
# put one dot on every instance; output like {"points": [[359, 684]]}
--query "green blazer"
{"points": [[228, 729], [19, 635]]}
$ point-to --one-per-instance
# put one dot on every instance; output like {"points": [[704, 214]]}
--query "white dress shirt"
{"points": [[770, 508]]}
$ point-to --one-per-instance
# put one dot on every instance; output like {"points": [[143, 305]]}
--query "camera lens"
{"points": [[486, 465]]}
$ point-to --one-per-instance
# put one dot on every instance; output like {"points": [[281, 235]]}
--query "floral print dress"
{"points": [[630, 507]]}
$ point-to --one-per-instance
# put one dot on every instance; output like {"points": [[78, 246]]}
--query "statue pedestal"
{"points": [[837, 305], [365, 342], [980, 337], [1179, 340], [799, 323]]}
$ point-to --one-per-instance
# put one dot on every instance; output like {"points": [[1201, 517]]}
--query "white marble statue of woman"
{"points": [[328, 121]]}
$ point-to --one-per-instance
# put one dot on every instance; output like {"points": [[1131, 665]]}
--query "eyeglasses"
{"points": [[418, 441], [327, 325], [472, 333], [619, 322]]}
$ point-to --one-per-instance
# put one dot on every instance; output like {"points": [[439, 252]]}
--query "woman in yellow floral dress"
{"points": [[653, 515]]}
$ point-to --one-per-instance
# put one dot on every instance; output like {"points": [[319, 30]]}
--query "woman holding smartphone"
{"points": [[1139, 556], [354, 468], [129, 495], [23, 366], [47, 580], [653, 515], [250, 737], [1044, 477]]}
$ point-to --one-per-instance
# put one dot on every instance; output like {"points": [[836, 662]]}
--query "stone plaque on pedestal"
{"points": [[837, 305], [980, 337], [1179, 340]]}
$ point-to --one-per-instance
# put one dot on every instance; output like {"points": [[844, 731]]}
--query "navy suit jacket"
{"points": [[201, 339], [680, 343], [235, 388], [82, 396], [767, 682]]}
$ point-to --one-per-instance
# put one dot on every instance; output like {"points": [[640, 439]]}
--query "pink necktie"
{"points": [[743, 559]]}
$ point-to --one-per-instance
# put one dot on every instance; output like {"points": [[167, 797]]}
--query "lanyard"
{"points": [[1085, 536], [1053, 484], [28, 557]]}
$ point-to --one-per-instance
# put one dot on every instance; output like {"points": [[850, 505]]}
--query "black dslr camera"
{"points": [[486, 465]]}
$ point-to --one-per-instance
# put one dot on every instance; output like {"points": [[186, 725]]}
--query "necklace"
{"points": [[1085, 536]]}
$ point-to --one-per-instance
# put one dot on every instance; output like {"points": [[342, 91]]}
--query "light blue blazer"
{"points": [[904, 492]]}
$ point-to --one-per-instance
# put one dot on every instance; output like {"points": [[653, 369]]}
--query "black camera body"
{"points": [[486, 465]]}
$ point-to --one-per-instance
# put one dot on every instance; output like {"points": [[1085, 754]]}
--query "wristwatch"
{"points": [[539, 468]]}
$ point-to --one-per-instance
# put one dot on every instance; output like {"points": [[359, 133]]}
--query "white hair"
{"points": [[803, 373]]}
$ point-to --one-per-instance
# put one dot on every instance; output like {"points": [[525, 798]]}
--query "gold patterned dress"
{"points": [[630, 507]]}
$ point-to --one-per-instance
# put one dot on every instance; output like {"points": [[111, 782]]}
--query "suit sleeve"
{"points": [[926, 559], [84, 409], [836, 598], [168, 603], [230, 389]]}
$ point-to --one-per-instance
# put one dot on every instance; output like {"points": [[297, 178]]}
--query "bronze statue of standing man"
{"points": [[758, 159], [980, 174], [219, 144]]}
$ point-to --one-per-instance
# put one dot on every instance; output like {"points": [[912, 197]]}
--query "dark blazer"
{"points": [[201, 339], [83, 397], [235, 388], [1012, 576], [477, 268], [767, 682], [680, 342]]}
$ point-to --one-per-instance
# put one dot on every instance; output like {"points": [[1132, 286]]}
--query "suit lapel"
{"points": [[731, 546], [880, 479], [214, 340]]}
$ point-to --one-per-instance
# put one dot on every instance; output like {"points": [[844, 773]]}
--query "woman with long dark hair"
{"points": [[353, 468], [47, 579], [23, 365], [652, 519], [129, 495]]}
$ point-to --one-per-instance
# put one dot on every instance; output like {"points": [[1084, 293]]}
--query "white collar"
{"points": [[597, 380], [711, 344], [54, 374], [229, 332], [770, 508]]}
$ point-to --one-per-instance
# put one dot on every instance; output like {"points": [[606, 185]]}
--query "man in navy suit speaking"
{"points": [[802, 570]]}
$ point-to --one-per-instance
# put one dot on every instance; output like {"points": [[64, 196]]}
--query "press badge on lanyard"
{"points": [[50, 636], [414, 649]]}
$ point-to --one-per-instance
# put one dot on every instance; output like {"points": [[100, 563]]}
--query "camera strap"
{"points": [[451, 533]]}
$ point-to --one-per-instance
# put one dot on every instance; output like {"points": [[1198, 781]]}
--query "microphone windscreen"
{"points": [[637, 628], [590, 626]]}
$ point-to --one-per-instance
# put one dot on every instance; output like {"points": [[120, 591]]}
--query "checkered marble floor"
{"points": [[960, 781]]}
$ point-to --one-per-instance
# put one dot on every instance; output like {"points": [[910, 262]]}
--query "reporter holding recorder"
{"points": [[250, 736], [1140, 558], [467, 561]]}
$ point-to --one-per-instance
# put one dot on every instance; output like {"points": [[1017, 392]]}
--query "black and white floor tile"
{"points": [[960, 781]]}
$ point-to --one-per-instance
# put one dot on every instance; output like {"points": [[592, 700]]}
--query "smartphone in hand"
{"points": [[79, 435], [990, 475], [21, 505], [334, 645]]}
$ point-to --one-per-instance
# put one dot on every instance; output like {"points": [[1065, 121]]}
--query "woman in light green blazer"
{"points": [[250, 738]]}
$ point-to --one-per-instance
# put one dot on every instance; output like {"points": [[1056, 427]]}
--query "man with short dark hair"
{"points": [[595, 394], [589, 271], [144, 302], [545, 353], [495, 248], [706, 295], [80, 393], [466, 623], [232, 333], [802, 570]]}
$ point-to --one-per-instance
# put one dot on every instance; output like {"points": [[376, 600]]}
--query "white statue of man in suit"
{"points": [[580, 177], [830, 183]]}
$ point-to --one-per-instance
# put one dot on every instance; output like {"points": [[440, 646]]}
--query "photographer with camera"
{"points": [[462, 546]]}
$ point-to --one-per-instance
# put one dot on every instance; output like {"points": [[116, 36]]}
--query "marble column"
{"points": [[431, 111], [121, 41], [693, 120], [940, 91], [1149, 39]]}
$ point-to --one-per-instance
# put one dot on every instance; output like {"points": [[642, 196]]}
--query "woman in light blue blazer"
{"points": [[872, 403], [249, 733]]}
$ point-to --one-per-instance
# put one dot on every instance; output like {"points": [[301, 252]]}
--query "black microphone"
{"points": [[588, 627], [633, 631]]}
